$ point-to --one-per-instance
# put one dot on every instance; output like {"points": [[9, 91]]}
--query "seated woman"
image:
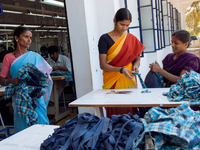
{"points": [[11, 64], [179, 62]]}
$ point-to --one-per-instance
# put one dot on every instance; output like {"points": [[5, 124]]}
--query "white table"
{"points": [[99, 99], [28, 139], [2, 89]]}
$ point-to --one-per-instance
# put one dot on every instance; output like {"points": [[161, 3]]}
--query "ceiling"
{"points": [[43, 18], [35, 14]]}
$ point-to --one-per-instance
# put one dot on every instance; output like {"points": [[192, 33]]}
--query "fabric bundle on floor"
{"points": [[171, 129], [89, 132]]}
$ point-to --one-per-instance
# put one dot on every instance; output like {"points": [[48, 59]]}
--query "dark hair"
{"points": [[43, 49], [18, 31], [10, 49], [123, 14], [52, 49], [183, 36]]}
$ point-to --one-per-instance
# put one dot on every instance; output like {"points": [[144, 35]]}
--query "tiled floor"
{"points": [[73, 113], [67, 118]]}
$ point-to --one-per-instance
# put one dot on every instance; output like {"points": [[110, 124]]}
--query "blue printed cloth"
{"points": [[21, 92], [187, 89], [67, 74], [141, 80], [173, 129]]}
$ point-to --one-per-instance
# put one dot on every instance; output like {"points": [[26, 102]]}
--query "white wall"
{"points": [[88, 20]]}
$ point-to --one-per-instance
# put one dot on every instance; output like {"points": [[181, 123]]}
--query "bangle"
{"points": [[169, 75], [121, 69], [5, 82]]}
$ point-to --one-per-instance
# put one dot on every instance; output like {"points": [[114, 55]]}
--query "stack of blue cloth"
{"points": [[87, 131]]}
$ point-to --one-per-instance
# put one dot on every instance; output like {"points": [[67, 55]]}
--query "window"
{"points": [[154, 22], [134, 27], [166, 22]]}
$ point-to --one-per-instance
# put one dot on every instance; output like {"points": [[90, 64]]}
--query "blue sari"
{"points": [[37, 60]]}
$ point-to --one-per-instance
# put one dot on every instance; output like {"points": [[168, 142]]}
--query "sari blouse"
{"points": [[7, 62], [186, 61]]}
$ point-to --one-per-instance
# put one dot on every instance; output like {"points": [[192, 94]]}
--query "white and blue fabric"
{"points": [[173, 129], [187, 89]]}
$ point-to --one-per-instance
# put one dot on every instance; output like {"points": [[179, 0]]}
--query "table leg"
{"points": [[55, 109], [99, 111]]}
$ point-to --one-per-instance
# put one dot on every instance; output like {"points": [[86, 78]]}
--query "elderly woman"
{"points": [[9, 75]]}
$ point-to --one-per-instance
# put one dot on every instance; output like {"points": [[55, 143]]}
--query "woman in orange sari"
{"points": [[119, 55]]}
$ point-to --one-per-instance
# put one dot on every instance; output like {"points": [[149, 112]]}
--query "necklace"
{"points": [[14, 54]]}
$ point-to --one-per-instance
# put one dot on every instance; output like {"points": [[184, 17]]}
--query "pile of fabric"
{"points": [[187, 89], [87, 131], [161, 129], [170, 129]]}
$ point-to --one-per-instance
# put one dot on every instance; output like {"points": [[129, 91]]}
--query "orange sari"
{"points": [[122, 54]]}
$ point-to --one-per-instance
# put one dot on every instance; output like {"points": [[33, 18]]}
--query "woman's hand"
{"points": [[128, 73], [40, 95], [135, 69], [15, 81], [155, 67]]}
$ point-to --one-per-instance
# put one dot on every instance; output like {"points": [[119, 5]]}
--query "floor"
{"points": [[68, 91]]}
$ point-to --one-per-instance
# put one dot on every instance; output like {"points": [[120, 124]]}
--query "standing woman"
{"points": [[119, 55], [11, 64]]}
